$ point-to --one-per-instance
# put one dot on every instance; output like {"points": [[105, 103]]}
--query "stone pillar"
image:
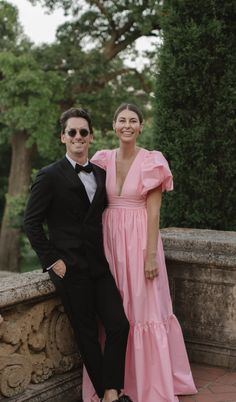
{"points": [[201, 267]]}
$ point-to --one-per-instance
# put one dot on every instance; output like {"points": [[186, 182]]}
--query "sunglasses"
{"points": [[72, 132]]}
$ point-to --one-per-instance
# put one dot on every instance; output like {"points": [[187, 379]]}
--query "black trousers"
{"points": [[87, 298]]}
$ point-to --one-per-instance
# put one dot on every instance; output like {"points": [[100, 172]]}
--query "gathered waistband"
{"points": [[121, 202]]}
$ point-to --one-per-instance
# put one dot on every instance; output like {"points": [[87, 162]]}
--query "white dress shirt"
{"points": [[87, 179]]}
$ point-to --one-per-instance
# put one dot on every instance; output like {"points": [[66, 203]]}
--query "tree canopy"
{"points": [[28, 100]]}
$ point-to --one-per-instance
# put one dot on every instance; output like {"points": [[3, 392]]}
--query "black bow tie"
{"points": [[88, 168]]}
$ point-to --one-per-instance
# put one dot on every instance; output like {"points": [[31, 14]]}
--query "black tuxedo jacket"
{"points": [[74, 225]]}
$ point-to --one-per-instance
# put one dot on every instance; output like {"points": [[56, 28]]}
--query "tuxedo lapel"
{"points": [[70, 174], [100, 188], [100, 184]]}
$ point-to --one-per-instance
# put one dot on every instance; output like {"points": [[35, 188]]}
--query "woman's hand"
{"points": [[59, 268], [151, 269], [153, 213]]}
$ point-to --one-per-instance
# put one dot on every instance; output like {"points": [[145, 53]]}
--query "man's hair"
{"points": [[75, 112], [129, 106]]}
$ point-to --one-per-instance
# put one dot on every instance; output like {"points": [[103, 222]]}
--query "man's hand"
{"points": [[59, 268]]}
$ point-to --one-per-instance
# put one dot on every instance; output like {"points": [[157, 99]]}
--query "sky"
{"points": [[37, 24]]}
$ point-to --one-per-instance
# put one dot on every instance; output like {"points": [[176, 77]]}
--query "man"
{"points": [[69, 195]]}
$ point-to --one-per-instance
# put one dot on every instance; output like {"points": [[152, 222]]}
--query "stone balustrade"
{"points": [[36, 342], [201, 268], [38, 356]]}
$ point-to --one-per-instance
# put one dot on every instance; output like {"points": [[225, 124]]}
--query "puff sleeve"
{"points": [[155, 172], [100, 159]]}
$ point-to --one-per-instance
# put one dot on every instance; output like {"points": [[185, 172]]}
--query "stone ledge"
{"points": [[4, 274], [211, 354], [18, 288], [60, 388], [200, 246]]}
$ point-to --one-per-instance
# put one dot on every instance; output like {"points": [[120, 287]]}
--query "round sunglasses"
{"points": [[72, 132]]}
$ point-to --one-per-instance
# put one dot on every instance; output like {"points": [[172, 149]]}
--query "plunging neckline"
{"points": [[130, 169]]}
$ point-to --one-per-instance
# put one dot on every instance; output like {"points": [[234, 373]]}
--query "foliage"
{"points": [[28, 100], [29, 260], [102, 141], [147, 138], [195, 120], [103, 23], [16, 206], [10, 30], [90, 53]]}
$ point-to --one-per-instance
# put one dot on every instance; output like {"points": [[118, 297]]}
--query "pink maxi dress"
{"points": [[157, 367]]}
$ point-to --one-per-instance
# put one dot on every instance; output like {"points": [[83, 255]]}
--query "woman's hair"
{"points": [[75, 112], [129, 106]]}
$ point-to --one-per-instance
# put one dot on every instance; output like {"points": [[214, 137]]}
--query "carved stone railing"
{"points": [[38, 357], [36, 340], [202, 274]]}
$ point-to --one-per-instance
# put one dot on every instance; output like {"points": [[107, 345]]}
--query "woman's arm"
{"points": [[153, 217]]}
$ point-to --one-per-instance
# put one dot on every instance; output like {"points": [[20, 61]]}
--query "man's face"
{"points": [[77, 145]]}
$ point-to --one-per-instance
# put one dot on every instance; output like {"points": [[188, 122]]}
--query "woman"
{"points": [[157, 367]]}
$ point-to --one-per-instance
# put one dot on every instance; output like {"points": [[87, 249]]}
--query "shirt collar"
{"points": [[74, 162]]}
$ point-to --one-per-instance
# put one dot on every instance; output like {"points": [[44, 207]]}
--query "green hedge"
{"points": [[194, 112]]}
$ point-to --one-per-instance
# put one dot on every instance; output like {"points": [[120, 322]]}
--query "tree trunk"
{"points": [[19, 178]]}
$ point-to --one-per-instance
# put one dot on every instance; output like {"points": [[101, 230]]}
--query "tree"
{"points": [[29, 112], [195, 120], [92, 50], [10, 29], [5, 156]]}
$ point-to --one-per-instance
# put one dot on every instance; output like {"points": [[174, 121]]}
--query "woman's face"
{"points": [[127, 126]]}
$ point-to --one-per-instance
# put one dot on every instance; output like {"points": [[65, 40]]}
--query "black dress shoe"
{"points": [[124, 398]]}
